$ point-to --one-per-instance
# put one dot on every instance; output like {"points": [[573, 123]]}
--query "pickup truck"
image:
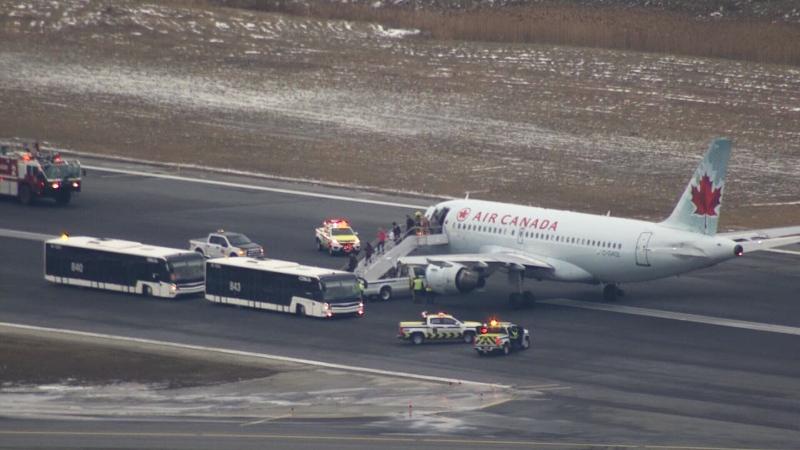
{"points": [[503, 337], [224, 243], [437, 327], [336, 237], [387, 288]]}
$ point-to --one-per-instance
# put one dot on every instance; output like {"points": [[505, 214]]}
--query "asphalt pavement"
{"points": [[592, 377]]}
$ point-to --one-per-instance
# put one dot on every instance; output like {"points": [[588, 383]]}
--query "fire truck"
{"points": [[29, 175]]}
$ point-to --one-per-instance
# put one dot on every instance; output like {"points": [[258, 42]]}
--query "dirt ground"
{"points": [[585, 129]]}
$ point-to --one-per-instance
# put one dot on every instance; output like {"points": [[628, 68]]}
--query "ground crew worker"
{"points": [[418, 289], [429, 294]]}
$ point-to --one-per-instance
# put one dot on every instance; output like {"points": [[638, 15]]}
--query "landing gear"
{"points": [[611, 292], [519, 300]]}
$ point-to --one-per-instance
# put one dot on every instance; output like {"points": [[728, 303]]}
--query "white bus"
{"points": [[123, 266], [283, 286]]}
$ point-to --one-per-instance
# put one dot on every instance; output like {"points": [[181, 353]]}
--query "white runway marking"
{"points": [[257, 188], [308, 362], [685, 317], [785, 252]]}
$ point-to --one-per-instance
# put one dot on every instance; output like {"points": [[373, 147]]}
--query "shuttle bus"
{"points": [[283, 286], [123, 266]]}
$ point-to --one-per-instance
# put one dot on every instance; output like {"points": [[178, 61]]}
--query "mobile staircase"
{"points": [[380, 264]]}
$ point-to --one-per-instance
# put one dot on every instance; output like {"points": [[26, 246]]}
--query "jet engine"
{"points": [[453, 279]]}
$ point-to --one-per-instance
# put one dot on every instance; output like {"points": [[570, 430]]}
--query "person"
{"points": [[352, 262], [381, 241], [398, 234], [430, 296], [390, 236], [368, 253], [418, 289], [409, 224], [424, 225]]}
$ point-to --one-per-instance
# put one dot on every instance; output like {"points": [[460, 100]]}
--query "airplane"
{"points": [[546, 244]]}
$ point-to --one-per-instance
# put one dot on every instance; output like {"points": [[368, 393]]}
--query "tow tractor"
{"points": [[503, 337], [29, 175], [336, 236]]}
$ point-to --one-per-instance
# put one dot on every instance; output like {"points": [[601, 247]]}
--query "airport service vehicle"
{"points": [[123, 266], [283, 286], [389, 287], [33, 175], [525, 242], [501, 337], [437, 327], [224, 243], [337, 237]]}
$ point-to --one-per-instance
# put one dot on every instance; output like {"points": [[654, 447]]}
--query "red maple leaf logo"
{"points": [[705, 197], [463, 214]]}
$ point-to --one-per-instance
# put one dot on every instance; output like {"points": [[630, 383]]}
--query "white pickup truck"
{"points": [[437, 327], [387, 288], [225, 243]]}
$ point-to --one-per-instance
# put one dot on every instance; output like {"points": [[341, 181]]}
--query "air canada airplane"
{"points": [[545, 244]]}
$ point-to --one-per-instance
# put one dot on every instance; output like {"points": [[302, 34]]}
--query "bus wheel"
{"points": [[300, 310], [24, 195], [147, 291]]}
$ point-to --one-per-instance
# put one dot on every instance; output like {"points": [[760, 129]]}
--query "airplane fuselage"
{"points": [[580, 247]]}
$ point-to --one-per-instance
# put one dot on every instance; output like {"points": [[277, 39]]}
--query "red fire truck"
{"points": [[29, 175]]}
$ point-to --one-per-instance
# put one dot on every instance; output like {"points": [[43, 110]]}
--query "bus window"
{"points": [[340, 288], [187, 267]]}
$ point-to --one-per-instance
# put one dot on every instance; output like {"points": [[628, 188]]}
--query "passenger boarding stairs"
{"points": [[381, 264]]}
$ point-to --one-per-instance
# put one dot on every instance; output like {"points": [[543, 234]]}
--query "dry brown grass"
{"points": [[606, 27]]}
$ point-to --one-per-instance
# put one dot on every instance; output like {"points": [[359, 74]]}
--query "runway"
{"points": [[594, 376]]}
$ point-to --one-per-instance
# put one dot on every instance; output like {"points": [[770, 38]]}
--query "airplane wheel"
{"points": [[515, 300], [528, 300], [610, 292]]}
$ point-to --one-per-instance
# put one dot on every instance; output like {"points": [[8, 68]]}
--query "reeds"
{"points": [[605, 27]]}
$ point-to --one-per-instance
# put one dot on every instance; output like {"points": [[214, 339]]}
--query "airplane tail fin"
{"points": [[699, 207]]}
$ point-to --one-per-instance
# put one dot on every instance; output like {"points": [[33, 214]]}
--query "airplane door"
{"points": [[641, 249]]}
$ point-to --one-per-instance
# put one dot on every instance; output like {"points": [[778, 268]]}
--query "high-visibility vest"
{"points": [[418, 284]]}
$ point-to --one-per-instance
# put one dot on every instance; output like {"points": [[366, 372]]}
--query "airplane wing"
{"points": [[755, 240], [492, 260]]}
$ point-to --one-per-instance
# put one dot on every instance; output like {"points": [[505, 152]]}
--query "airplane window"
{"points": [[512, 232]]}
